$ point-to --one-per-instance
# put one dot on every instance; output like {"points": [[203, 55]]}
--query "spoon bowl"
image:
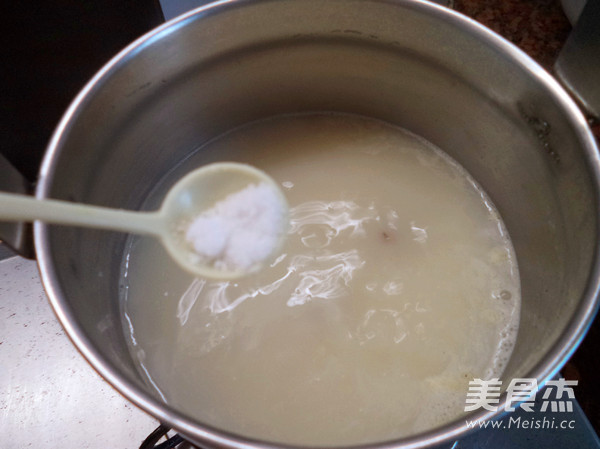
{"points": [[196, 193]]}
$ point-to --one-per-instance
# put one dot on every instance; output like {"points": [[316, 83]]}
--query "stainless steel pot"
{"points": [[411, 63]]}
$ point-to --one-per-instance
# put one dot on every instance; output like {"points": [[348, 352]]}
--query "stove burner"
{"points": [[174, 442]]}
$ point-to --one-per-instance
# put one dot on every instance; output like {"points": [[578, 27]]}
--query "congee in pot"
{"points": [[397, 285]]}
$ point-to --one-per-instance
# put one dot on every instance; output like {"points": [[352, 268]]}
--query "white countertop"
{"points": [[49, 396]]}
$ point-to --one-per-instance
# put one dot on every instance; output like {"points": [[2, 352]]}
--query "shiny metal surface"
{"points": [[49, 396], [412, 63], [578, 64], [572, 9]]}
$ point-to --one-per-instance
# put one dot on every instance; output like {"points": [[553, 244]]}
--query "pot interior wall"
{"points": [[218, 70]]}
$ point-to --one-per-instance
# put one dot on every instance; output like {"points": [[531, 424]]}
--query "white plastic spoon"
{"points": [[194, 194]]}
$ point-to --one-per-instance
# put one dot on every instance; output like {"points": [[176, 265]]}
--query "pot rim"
{"points": [[547, 368]]}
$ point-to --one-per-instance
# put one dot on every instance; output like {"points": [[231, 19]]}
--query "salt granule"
{"points": [[240, 231]]}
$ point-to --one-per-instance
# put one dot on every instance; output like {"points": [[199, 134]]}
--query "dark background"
{"points": [[52, 48]]}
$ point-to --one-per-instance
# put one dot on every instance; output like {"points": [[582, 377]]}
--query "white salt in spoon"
{"points": [[241, 208]]}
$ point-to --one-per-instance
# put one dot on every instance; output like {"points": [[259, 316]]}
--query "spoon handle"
{"points": [[14, 207]]}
